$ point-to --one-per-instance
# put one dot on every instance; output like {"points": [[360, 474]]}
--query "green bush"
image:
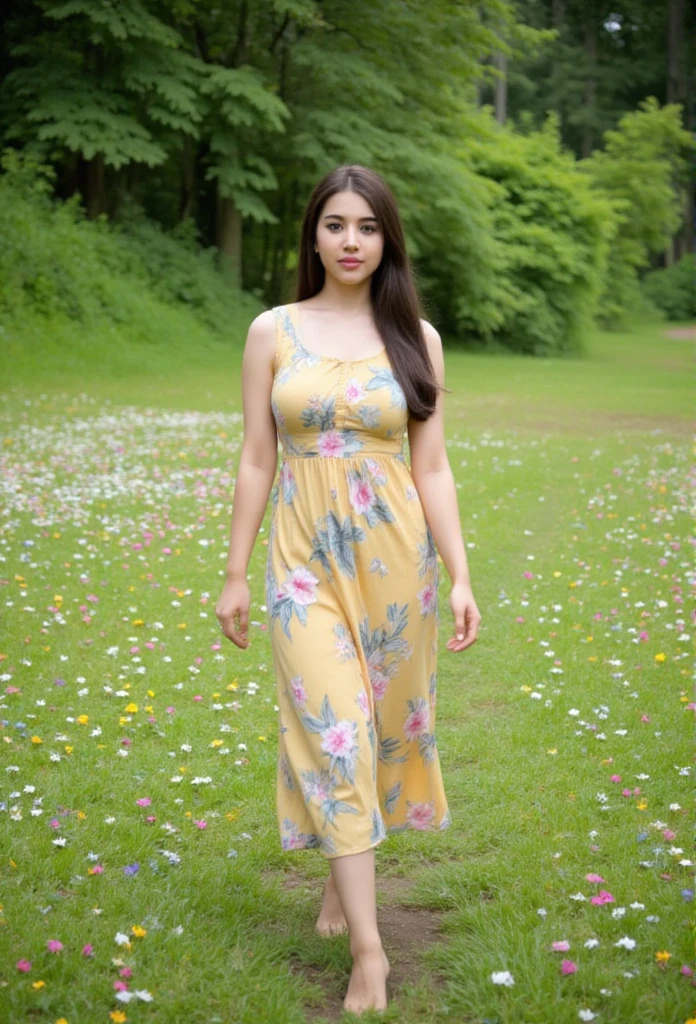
{"points": [[673, 289], [56, 262]]}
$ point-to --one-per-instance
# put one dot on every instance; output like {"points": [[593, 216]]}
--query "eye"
{"points": [[335, 224]]}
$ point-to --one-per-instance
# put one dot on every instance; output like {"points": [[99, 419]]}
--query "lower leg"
{"points": [[354, 878], [331, 920]]}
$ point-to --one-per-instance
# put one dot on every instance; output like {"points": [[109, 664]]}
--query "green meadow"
{"points": [[142, 877]]}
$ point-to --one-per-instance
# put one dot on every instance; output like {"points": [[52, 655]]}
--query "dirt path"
{"points": [[406, 933], [681, 333]]}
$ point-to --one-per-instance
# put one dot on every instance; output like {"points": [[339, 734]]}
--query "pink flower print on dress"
{"points": [[363, 703], [354, 391], [301, 586], [362, 495], [299, 694], [420, 816], [376, 471], [331, 443], [379, 677], [418, 721], [428, 599], [287, 483], [339, 739]]}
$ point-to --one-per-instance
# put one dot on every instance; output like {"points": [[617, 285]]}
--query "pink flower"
{"points": [[417, 722], [362, 495], [594, 878], [198, 697], [602, 897], [428, 598], [568, 967], [562, 946], [144, 801], [420, 816], [667, 833], [201, 824], [23, 965], [54, 946], [616, 778], [97, 869], [120, 986], [301, 586], [88, 950], [330, 442], [339, 739], [126, 972], [297, 689]]}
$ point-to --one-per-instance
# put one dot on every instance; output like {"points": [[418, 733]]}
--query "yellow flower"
{"points": [[83, 720], [181, 625], [61, 1020], [216, 743], [151, 693], [660, 657], [118, 1016], [138, 622], [36, 739], [663, 955], [38, 984], [233, 685], [525, 688], [642, 805], [139, 931], [553, 750], [149, 707], [261, 738], [68, 749], [131, 708]]}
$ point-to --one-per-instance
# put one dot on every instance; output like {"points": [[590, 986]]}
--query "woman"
{"points": [[340, 376]]}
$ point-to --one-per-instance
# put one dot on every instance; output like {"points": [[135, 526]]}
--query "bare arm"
{"points": [[432, 474], [258, 459]]}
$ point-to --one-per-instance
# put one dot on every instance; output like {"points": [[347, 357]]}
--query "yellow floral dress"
{"points": [[351, 597]]}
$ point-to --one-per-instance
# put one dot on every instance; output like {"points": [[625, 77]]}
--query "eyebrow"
{"points": [[340, 216]]}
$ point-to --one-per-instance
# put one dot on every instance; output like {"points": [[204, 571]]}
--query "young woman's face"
{"points": [[347, 229]]}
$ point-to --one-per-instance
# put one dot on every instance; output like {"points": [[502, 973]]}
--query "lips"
{"points": [[350, 262]]}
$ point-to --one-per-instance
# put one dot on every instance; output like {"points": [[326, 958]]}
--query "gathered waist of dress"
{"points": [[348, 455]]}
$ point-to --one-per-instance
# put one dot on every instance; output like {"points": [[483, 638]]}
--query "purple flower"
{"points": [[131, 869]]}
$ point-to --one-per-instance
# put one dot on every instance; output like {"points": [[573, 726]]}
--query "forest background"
{"points": [[157, 157]]}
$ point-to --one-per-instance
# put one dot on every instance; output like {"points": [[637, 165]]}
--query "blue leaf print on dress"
{"points": [[337, 540], [319, 786]]}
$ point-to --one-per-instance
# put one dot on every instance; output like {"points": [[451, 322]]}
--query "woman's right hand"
{"points": [[234, 603]]}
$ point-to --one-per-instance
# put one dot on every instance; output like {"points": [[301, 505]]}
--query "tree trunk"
{"points": [[187, 188], [229, 235], [675, 49], [93, 188], [590, 97]]}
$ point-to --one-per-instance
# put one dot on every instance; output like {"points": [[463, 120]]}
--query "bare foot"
{"points": [[367, 988], [331, 920]]}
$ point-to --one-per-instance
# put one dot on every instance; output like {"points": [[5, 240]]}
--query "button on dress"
{"points": [[351, 596]]}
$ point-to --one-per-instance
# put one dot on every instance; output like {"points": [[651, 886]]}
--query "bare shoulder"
{"points": [[261, 340], [431, 336], [263, 326]]}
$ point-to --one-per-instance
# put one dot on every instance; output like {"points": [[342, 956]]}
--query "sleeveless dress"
{"points": [[351, 598]]}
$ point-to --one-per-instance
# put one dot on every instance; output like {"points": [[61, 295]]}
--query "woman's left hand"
{"points": [[467, 618]]}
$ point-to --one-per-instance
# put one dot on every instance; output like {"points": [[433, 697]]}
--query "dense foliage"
{"points": [[198, 130]]}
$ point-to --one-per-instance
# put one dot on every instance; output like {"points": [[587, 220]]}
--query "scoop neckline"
{"points": [[317, 355]]}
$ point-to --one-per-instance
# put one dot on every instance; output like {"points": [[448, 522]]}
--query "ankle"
{"points": [[369, 945]]}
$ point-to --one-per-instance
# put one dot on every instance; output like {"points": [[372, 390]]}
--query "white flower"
{"points": [[586, 1015], [626, 942], [121, 939], [59, 842], [502, 978], [591, 943]]}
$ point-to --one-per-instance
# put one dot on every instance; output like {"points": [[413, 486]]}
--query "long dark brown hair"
{"points": [[396, 303]]}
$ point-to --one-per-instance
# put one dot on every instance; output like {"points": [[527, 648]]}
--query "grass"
{"points": [[564, 732]]}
